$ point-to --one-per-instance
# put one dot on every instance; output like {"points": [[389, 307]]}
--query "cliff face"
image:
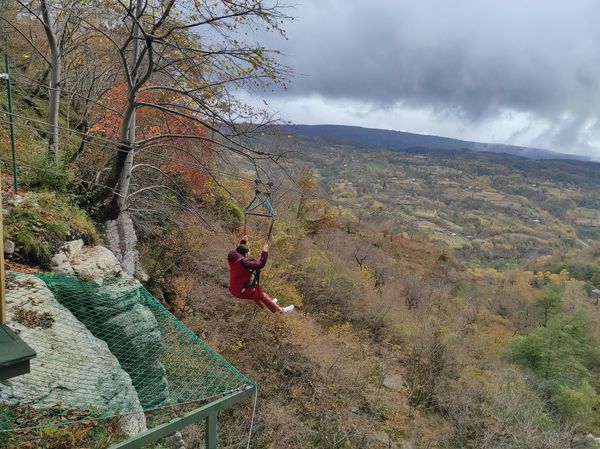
{"points": [[113, 309], [122, 241]]}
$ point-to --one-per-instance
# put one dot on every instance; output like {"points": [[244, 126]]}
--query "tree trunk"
{"points": [[120, 231], [55, 74]]}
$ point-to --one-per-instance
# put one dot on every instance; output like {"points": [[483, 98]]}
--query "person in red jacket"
{"points": [[241, 268]]}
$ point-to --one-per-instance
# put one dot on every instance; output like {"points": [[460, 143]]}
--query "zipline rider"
{"points": [[241, 269]]}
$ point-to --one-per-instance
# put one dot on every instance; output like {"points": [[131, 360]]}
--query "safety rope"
{"points": [[253, 416]]}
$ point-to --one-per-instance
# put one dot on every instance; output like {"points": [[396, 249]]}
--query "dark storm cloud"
{"points": [[469, 59]]}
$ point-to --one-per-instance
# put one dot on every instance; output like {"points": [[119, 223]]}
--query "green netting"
{"points": [[167, 363]]}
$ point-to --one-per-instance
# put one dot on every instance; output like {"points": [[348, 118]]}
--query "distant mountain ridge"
{"points": [[399, 140]]}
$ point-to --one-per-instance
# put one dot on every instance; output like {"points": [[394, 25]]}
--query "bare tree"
{"points": [[161, 52], [58, 19], [185, 62], [361, 254], [55, 74]]}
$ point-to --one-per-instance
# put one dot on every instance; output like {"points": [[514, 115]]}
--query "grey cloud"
{"points": [[469, 58]]}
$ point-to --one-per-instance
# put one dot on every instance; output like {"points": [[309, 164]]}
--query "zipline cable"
{"points": [[114, 147]]}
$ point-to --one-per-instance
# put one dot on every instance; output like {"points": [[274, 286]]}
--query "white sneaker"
{"points": [[288, 309], [275, 300]]}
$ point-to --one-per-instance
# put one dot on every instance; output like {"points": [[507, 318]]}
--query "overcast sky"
{"points": [[524, 72]]}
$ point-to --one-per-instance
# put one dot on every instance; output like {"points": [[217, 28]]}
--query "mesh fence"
{"points": [[140, 357]]}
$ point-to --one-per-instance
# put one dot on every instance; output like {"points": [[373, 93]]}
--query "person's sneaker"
{"points": [[288, 309], [275, 300]]}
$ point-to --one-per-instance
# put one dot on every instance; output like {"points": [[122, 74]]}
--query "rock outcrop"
{"points": [[104, 344], [394, 382], [86, 262], [594, 439], [114, 302], [115, 311], [121, 238], [73, 368]]}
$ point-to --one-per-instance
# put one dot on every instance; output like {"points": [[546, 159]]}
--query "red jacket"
{"points": [[240, 269]]}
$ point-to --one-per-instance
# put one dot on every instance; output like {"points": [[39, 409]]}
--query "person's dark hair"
{"points": [[242, 249]]}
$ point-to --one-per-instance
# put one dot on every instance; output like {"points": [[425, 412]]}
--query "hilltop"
{"points": [[399, 140]]}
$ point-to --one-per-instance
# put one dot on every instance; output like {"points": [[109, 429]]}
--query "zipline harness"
{"points": [[260, 206]]}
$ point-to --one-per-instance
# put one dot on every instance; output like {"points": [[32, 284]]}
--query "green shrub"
{"points": [[581, 403], [41, 172], [562, 357], [43, 221], [231, 212], [588, 287], [556, 354]]}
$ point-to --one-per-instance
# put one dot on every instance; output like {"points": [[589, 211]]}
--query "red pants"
{"points": [[260, 298]]}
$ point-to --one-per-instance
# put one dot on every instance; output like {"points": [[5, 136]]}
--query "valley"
{"points": [[491, 209]]}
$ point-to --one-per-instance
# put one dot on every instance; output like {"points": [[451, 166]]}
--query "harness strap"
{"points": [[256, 279]]}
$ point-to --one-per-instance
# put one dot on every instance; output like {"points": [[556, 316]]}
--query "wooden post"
{"points": [[6, 76]]}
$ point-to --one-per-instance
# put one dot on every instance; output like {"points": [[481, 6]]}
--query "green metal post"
{"points": [[211, 431], [10, 121], [3, 308]]}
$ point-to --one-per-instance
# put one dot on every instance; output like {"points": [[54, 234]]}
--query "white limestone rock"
{"points": [[393, 382], [72, 368], [15, 200], [88, 262], [141, 273], [117, 298], [60, 264], [594, 439], [72, 248], [121, 238], [95, 262], [138, 321], [136, 340], [9, 247]]}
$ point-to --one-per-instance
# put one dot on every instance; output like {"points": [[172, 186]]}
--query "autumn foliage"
{"points": [[179, 145]]}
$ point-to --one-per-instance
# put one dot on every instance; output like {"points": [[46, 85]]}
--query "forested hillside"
{"points": [[491, 209], [401, 141], [444, 300]]}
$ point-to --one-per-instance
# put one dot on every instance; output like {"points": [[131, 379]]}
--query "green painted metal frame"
{"points": [[207, 412], [15, 354], [11, 121]]}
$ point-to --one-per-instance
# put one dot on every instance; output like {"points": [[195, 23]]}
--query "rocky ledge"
{"points": [[73, 368]]}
